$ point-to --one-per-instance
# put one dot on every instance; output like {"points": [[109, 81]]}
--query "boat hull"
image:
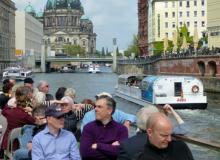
{"points": [[174, 105]]}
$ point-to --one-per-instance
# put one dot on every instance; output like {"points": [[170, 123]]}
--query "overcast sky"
{"points": [[111, 19]]}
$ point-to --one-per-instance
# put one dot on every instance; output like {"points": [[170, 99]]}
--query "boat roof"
{"points": [[152, 78], [126, 76]]}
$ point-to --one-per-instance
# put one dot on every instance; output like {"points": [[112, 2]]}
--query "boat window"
{"points": [[22, 74], [121, 81], [144, 85], [178, 89]]}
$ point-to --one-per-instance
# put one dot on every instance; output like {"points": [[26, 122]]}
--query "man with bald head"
{"points": [[160, 145]]}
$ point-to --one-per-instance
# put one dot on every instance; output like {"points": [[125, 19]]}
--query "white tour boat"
{"points": [[181, 92], [16, 73], [94, 68]]}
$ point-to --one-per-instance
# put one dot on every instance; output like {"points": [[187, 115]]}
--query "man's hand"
{"points": [[168, 109], [116, 143], [29, 146], [127, 124], [94, 146]]}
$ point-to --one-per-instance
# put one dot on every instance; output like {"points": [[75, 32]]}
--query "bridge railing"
{"points": [[179, 55]]}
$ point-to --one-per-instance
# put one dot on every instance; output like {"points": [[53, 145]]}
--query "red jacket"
{"points": [[16, 117]]}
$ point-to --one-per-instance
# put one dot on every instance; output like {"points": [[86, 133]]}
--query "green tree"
{"points": [[159, 47], [103, 51], [184, 32], [133, 47], [74, 50]]}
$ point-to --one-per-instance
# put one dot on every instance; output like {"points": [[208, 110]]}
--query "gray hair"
{"points": [[40, 84], [39, 97], [70, 92], [143, 114], [67, 100]]}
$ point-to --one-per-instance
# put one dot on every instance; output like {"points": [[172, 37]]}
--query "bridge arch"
{"points": [[201, 66], [212, 68]]}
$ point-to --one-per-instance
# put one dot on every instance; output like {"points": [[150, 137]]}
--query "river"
{"points": [[203, 124]]}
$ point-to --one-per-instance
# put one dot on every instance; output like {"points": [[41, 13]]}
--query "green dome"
{"points": [[84, 17], [29, 9], [63, 4], [40, 14]]}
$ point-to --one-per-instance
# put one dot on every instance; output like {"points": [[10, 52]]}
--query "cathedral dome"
{"points": [[29, 9], [63, 4]]}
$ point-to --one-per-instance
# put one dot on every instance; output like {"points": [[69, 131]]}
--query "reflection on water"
{"points": [[203, 124]]}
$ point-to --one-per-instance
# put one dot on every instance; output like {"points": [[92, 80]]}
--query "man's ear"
{"points": [[149, 131]]}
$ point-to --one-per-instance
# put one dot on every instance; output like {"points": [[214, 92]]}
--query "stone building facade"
{"points": [[64, 24], [7, 33]]}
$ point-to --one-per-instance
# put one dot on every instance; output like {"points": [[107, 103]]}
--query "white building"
{"points": [[29, 34], [167, 15], [213, 8]]}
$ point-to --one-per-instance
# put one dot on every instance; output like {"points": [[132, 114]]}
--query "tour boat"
{"points": [[181, 92], [17, 73], [68, 69], [94, 68]]}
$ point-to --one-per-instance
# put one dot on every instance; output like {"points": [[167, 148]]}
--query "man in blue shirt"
{"points": [[54, 142]]}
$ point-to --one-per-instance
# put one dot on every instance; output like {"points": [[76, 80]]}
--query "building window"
{"points": [[84, 43], [203, 23], [180, 3], [181, 24], [167, 34], [187, 4], [74, 42], [173, 25], [158, 28], [188, 24], [203, 13], [195, 23], [203, 2], [180, 14], [166, 25], [173, 4], [195, 13], [166, 4], [166, 14], [173, 14], [187, 14], [195, 2], [214, 34]]}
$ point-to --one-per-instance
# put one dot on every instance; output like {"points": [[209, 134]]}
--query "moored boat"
{"points": [[17, 73], [182, 92], [94, 68]]}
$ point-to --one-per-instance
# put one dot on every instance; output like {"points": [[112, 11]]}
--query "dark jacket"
{"points": [[3, 100], [176, 150], [132, 146], [70, 122]]}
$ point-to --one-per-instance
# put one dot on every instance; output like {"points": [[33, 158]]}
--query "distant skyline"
{"points": [[111, 19]]}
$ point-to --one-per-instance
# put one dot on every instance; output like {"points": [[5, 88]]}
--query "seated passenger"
{"points": [[119, 116], [54, 142], [100, 138]]}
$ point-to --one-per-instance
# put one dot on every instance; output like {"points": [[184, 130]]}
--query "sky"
{"points": [[111, 19]]}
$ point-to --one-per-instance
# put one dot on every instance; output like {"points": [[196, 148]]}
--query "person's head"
{"points": [[14, 88], [12, 81], [70, 92], [88, 101], [23, 96], [143, 114], [7, 88], [60, 93], [38, 98], [66, 104], [39, 114], [55, 117], [105, 107], [29, 82], [103, 94], [159, 130], [43, 86]]}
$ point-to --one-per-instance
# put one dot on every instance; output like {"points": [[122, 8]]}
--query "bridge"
{"points": [[77, 59]]}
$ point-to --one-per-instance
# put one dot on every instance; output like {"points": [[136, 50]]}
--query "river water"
{"points": [[202, 124]]}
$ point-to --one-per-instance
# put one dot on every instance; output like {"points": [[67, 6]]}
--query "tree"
{"points": [[133, 47], [74, 50], [103, 51], [184, 33]]}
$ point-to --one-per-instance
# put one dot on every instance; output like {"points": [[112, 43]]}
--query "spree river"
{"points": [[202, 124]]}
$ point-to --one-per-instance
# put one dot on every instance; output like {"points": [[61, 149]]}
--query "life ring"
{"points": [[195, 89]]}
